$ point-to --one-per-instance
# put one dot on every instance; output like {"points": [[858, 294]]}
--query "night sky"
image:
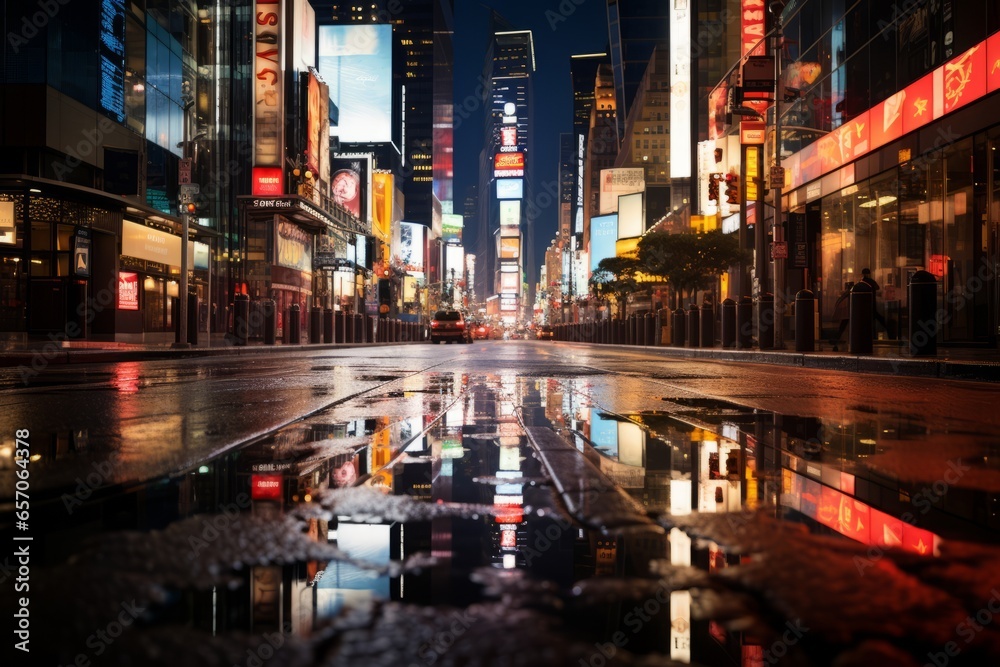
{"points": [[583, 31]]}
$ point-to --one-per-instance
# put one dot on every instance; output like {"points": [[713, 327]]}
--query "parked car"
{"points": [[450, 325], [545, 332]]}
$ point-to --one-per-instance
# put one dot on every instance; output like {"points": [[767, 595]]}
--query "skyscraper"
{"points": [[505, 233]]}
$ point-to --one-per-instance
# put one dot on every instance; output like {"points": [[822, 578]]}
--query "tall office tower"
{"points": [[417, 144], [567, 177], [505, 171], [602, 145], [112, 111], [583, 71], [646, 142], [635, 28]]}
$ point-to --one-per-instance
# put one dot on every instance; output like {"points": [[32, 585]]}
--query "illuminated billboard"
{"points": [[617, 182], [680, 90], [603, 234], [508, 164], [510, 248], [508, 136], [510, 188], [410, 247], [451, 226], [348, 184], [510, 217], [509, 282], [382, 186], [128, 291], [356, 62], [454, 260], [268, 93], [630, 217]]}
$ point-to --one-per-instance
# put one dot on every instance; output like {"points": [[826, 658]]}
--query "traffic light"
{"points": [[713, 187], [732, 189]]}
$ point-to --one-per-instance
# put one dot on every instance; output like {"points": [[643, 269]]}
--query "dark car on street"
{"points": [[450, 325]]}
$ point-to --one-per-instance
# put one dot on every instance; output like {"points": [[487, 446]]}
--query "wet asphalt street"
{"points": [[508, 502]]}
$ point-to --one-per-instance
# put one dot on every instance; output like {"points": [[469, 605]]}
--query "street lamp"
{"points": [[776, 8], [188, 100]]}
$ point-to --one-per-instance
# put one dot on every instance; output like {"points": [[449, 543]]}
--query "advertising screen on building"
{"points": [[112, 50], [508, 164], [268, 181], [617, 182], [630, 216], [268, 93], [150, 244], [356, 62], [382, 186], [510, 188], [128, 291], [603, 234], [348, 183], [508, 136], [508, 282], [510, 217], [454, 260], [680, 90], [510, 248], [293, 246], [451, 226], [318, 124], [410, 248]]}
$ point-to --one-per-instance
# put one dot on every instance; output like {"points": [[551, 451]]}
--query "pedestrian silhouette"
{"points": [[866, 277], [841, 313]]}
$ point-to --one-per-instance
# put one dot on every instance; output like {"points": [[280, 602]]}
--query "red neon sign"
{"points": [[268, 181], [128, 291], [266, 487]]}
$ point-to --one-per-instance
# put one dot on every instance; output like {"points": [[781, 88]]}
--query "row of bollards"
{"points": [[695, 327], [325, 326]]}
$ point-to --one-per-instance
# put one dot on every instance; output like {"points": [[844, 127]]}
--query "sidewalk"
{"points": [[888, 358]]}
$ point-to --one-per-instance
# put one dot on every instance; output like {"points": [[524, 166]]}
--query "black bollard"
{"points": [[923, 326], [328, 325], [270, 321], [679, 328], [630, 333], [744, 323], [662, 322], [315, 325], [241, 319], [707, 325], [765, 321], [295, 324], [805, 324], [175, 308], [693, 326], [640, 329], [859, 339], [340, 336], [651, 330], [728, 324], [192, 319]]}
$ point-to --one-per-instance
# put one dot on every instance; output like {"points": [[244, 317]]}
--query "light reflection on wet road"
{"points": [[536, 490]]}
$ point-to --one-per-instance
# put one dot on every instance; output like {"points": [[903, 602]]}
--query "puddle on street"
{"points": [[454, 517]]}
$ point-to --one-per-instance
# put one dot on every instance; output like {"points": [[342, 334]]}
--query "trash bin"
{"points": [[862, 322], [923, 326], [805, 325]]}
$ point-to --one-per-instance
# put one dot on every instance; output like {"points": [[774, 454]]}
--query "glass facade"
{"points": [[923, 198]]}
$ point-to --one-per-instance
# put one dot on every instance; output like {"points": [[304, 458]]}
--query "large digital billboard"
{"points": [[617, 182], [268, 93], [410, 248], [451, 226], [630, 217], [510, 217], [680, 91], [356, 62], [382, 187], [508, 164], [510, 188], [348, 184], [603, 234], [510, 248]]}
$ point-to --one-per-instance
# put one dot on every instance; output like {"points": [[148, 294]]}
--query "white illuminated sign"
{"points": [[680, 91]]}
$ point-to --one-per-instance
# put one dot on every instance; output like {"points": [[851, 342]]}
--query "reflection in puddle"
{"points": [[693, 533]]}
